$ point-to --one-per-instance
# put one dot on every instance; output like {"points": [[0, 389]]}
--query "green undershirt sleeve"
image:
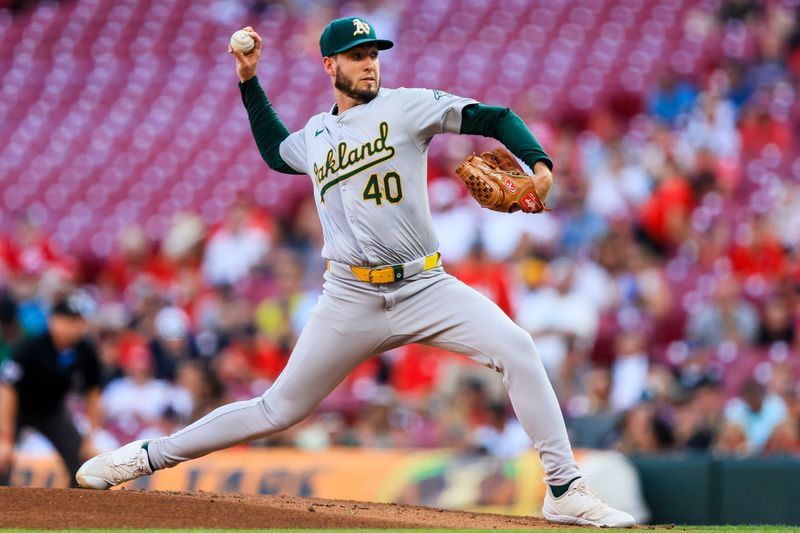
{"points": [[268, 130], [504, 125]]}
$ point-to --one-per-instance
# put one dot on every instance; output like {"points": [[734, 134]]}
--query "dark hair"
{"points": [[67, 307]]}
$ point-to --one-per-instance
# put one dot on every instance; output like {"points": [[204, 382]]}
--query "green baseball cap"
{"points": [[342, 34]]}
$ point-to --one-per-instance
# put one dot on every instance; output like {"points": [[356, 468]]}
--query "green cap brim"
{"points": [[383, 44]]}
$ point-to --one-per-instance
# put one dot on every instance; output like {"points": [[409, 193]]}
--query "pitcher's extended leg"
{"points": [[338, 336], [455, 317]]}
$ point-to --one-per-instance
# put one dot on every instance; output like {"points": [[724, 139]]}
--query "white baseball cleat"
{"points": [[581, 506], [110, 469]]}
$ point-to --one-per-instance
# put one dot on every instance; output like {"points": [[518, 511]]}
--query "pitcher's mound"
{"points": [[76, 508]]}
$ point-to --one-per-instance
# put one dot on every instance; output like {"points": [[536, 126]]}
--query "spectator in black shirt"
{"points": [[35, 381], [10, 329]]}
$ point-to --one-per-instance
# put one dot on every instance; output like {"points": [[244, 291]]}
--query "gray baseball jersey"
{"points": [[369, 169]]}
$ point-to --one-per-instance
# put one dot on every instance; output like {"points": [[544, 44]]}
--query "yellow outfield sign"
{"points": [[438, 478]]}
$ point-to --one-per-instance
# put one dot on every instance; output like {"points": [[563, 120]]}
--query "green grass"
{"points": [[692, 529]]}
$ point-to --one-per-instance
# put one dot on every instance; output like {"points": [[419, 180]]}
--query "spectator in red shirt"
{"points": [[759, 128], [35, 253], [664, 217], [9, 262], [488, 277], [135, 258], [758, 251]]}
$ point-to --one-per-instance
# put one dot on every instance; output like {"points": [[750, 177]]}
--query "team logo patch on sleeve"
{"points": [[438, 95]]}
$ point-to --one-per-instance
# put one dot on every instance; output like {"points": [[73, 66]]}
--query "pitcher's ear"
{"points": [[329, 64]]}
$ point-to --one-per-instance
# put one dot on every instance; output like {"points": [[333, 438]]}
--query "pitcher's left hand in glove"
{"points": [[497, 181]]}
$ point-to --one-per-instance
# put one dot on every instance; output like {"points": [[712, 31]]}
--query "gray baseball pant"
{"points": [[354, 320]]}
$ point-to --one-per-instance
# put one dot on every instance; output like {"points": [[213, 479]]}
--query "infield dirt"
{"points": [[75, 508]]}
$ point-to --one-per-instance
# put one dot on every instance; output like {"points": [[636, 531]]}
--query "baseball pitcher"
{"points": [[384, 286]]}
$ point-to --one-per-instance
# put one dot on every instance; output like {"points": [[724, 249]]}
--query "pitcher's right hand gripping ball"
{"points": [[247, 63], [498, 182], [241, 41]]}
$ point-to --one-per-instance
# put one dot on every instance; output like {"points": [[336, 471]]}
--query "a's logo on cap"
{"points": [[361, 27]]}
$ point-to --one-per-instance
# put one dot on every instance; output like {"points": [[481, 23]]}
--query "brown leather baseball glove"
{"points": [[497, 181]]}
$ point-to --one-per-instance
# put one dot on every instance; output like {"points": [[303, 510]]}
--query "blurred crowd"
{"points": [[662, 291]]}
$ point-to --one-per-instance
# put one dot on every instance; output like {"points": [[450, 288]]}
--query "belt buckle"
{"points": [[370, 272]]}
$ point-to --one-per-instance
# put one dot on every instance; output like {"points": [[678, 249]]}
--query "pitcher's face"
{"points": [[357, 72]]}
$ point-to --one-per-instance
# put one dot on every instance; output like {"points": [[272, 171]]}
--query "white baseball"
{"points": [[242, 41]]}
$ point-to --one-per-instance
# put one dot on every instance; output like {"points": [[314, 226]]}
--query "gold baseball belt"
{"points": [[389, 273]]}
